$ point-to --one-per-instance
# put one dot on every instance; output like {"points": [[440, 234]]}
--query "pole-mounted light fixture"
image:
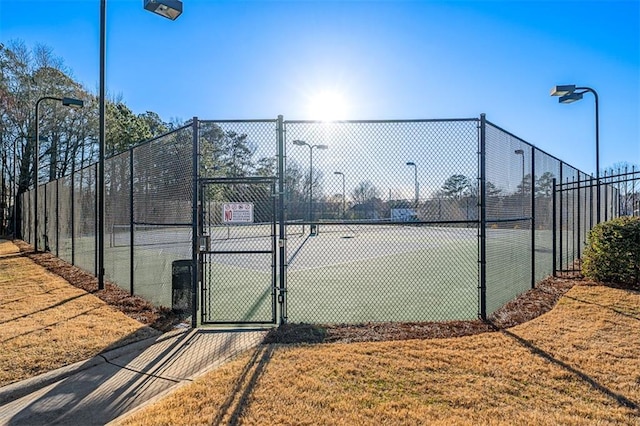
{"points": [[521, 152], [416, 190], [68, 102], [563, 89], [569, 93], [299, 142], [170, 9], [343, 194]]}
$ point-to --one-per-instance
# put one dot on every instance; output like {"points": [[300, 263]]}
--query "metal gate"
{"points": [[238, 259]]}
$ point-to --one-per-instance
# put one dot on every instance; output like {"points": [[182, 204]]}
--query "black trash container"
{"points": [[181, 275]]}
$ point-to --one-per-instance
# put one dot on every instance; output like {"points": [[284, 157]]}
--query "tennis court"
{"points": [[344, 273], [469, 247]]}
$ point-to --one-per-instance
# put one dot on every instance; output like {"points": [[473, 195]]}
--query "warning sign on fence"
{"points": [[237, 212]]}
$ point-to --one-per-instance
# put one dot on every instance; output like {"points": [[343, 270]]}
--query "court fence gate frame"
{"points": [[232, 221]]}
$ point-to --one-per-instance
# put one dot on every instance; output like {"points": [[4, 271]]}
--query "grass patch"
{"points": [[48, 323], [578, 364]]}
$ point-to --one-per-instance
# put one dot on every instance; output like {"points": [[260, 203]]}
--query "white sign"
{"points": [[237, 212]]}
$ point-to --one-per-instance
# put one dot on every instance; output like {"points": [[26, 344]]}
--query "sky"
{"points": [[370, 60]]}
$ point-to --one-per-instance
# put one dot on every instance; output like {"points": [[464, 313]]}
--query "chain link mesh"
{"points": [[65, 218], [162, 210], [382, 218], [508, 181], [239, 264], [51, 217], [393, 235], [85, 218], [117, 254], [547, 169], [238, 215]]}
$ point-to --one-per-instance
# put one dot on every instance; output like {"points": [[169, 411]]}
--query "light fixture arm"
{"points": [[566, 92], [36, 159]]}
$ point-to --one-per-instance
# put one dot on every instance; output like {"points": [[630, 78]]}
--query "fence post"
{"points": [[533, 217], [282, 220], [58, 217], [96, 255], [483, 220], [554, 227], [561, 217], [591, 209], [606, 191], [131, 228], [195, 219], [578, 235], [73, 217], [45, 235]]}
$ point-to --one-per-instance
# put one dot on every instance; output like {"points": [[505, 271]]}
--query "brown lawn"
{"points": [[48, 323], [578, 364]]}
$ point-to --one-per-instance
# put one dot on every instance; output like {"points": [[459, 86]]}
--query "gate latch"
{"points": [[205, 242]]}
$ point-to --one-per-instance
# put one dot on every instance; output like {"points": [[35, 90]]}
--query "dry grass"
{"points": [[578, 364], [48, 323]]}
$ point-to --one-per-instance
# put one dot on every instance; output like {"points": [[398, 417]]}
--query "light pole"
{"points": [[568, 94], [303, 143], [170, 9], [70, 102], [343, 202], [521, 152], [416, 189], [15, 193]]}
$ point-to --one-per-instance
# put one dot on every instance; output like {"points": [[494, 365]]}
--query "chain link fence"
{"points": [[389, 211], [148, 205], [327, 222]]}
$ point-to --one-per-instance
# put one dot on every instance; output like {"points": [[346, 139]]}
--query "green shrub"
{"points": [[613, 252]]}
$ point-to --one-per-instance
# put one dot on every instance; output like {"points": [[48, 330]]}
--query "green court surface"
{"points": [[344, 275]]}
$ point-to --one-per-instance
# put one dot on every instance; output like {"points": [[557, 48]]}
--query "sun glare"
{"points": [[328, 106]]}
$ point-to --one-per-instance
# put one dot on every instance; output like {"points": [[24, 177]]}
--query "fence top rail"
{"points": [[189, 124], [254, 120], [530, 144], [247, 179], [635, 174], [582, 184], [418, 120]]}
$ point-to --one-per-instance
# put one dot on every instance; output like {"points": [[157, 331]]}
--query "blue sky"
{"points": [[383, 59]]}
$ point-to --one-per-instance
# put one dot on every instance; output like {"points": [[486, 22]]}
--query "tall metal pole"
{"points": [[310, 185], [595, 95], [343, 197], [15, 193], [521, 152], [36, 166], [415, 190], [343, 193], [101, 147], [482, 235], [35, 177], [282, 219]]}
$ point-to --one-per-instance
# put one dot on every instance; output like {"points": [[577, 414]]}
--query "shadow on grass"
{"points": [[296, 333], [52, 306], [620, 399], [245, 384], [19, 299], [612, 309], [113, 384]]}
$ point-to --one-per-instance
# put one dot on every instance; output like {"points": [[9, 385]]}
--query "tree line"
{"points": [[68, 137]]}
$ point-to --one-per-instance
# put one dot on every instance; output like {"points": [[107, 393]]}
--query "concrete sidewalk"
{"points": [[99, 390]]}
